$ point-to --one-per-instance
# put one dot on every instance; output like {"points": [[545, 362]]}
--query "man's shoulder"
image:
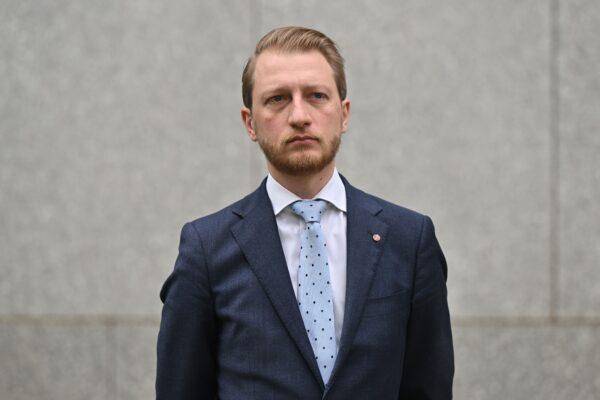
{"points": [[404, 225], [224, 217], [391, 212], [227, 216]]}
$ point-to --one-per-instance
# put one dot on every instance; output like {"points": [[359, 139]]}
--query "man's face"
{"points": [[297, 116]]}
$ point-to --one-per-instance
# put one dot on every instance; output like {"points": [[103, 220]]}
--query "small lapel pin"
{"points": [[376, 237]]}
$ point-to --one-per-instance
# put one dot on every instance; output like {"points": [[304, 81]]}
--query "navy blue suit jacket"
{"points": [[231, 328]]}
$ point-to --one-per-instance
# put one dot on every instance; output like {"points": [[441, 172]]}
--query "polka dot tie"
{"points": [[315, 298]]}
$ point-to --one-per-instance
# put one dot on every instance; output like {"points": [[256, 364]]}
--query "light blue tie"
{"points": [[315, 298]]}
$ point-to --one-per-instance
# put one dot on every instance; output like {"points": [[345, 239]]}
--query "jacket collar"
{"points": [[334, 192]]}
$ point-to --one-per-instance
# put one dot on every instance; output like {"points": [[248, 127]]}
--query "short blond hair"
{"points": [[291, 39]]}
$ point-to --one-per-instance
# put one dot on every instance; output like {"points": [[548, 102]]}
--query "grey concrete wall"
{"points": [[119, 121]]}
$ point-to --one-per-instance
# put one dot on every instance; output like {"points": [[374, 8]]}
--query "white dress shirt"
{"points": [[333, 222]]}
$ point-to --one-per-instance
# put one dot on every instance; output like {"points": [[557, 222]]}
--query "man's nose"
{"points": [[299, 116]]}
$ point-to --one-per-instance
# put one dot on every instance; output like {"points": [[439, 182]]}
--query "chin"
{"points": [[302, 165]]}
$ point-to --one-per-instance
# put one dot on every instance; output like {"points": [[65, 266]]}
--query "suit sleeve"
{"points": [[429, 357], [186, 367]]}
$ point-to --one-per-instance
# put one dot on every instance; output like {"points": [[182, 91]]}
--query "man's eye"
{"points": [[276, 99], [319, 96]]}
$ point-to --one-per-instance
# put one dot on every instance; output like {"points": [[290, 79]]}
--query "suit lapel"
{"points": [[362, 256], [258, 237]]}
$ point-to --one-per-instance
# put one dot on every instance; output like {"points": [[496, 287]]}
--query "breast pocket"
{"points": [[393, 303]]}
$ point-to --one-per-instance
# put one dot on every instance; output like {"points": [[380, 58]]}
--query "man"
{"points": [[307, 288]]}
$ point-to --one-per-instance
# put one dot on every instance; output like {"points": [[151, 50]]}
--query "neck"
{"points": [[305, 186]]}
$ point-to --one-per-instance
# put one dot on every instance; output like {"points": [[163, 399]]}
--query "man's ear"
{"points": [[345, 114], [246, 114]]}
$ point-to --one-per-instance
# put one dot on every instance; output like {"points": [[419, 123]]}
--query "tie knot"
{"points": [[309, 210]]}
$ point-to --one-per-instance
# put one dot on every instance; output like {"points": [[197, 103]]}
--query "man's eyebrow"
{"points": [[322, 88], [272, 90], [275, 89]]}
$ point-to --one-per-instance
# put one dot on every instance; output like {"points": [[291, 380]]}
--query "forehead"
{"points": [[275, 68]]}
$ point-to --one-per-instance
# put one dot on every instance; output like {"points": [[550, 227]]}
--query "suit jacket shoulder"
{"points": [[390, 212]]}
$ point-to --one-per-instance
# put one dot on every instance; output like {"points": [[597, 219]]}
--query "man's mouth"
{"points": [[302, 139]]}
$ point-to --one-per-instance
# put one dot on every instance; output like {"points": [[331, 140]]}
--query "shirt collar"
{"points": [[334, 192]]}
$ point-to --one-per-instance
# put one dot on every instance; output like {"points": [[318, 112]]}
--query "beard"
{"points": [[302, 160]]}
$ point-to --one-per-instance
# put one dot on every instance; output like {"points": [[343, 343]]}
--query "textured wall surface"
{"points": [[119, 121]]}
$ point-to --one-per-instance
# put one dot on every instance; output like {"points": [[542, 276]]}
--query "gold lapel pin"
{"points": [[376, 237]]}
